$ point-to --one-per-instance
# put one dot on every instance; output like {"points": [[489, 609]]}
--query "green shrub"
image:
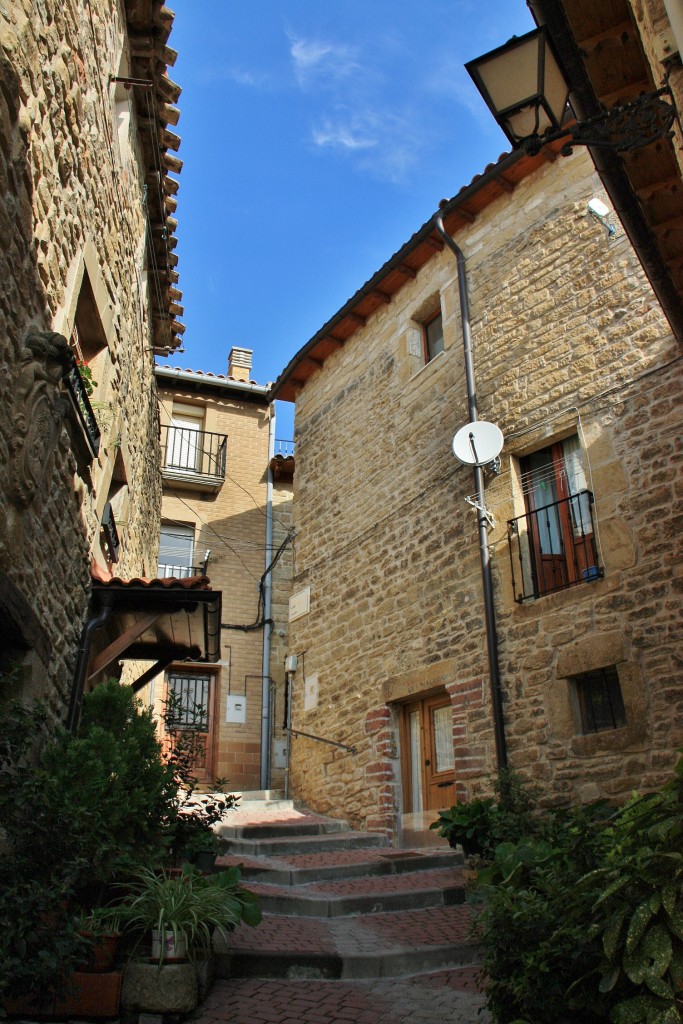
{"points": [[583, 919]]}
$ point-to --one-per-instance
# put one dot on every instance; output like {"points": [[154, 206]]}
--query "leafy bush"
{"points": [[583, 919]]}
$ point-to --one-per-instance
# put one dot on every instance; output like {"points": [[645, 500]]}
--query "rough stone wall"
{"points": [[70, 203], [231, 522], [568, 339]]}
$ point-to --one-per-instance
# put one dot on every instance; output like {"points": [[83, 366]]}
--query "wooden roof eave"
{"points": [[597, 83]]}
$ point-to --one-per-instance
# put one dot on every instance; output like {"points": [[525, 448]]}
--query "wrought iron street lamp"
{"points": [[525, 89]]}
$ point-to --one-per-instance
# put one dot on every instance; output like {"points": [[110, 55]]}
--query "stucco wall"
{"points": [[568, 339]]}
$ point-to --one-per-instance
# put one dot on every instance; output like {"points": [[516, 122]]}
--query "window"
{"points": [[433, 336], [176, 552], [552, 546], [183, 446], [188, 698], [600, 703]]}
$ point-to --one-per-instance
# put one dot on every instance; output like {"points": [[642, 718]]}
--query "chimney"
{"points": [[239, 364]]}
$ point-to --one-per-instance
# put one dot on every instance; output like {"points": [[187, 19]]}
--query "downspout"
{"points": [[485, 555], [267, 601], [94, 623]]}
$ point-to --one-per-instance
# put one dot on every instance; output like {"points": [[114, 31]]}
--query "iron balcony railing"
{"points": [[194, 452], [81, 404], [284, 448], [180, 572], [553, 547]]}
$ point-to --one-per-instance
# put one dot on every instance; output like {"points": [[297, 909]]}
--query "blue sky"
{"points": [[317, 136]]}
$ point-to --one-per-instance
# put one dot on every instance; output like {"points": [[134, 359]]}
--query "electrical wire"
{"points": [[260, 621]]}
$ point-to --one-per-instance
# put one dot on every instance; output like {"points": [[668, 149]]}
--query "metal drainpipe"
{"points": [[489, 607], [92, 625], [267, 600]]}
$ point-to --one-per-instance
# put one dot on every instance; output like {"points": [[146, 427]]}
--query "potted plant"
{"points": [[471, 825], [101, 930], [201, 847], [180, 914]]}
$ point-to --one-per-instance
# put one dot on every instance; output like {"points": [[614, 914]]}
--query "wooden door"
{"points": [[427, 758]]}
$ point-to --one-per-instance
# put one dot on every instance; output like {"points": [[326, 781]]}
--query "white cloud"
{"points": [[342, 136], [314, 58], [380, 144]]}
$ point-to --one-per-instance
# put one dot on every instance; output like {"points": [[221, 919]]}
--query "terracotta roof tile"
{"points": [[166, 583]]}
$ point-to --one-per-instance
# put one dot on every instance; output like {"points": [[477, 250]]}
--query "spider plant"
{"points": [[191, 905]]}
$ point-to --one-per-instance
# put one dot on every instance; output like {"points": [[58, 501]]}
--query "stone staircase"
{"points": [[343, 906]]}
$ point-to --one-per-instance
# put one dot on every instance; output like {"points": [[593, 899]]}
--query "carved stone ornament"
{"points": [[38, 411]]}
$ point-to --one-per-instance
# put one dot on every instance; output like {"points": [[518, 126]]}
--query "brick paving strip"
{"points": [[443, 996]]}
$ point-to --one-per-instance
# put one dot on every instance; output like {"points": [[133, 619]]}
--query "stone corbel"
{"points": [[38, 412]]}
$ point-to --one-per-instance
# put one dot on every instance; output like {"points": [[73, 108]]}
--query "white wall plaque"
{"points": [[311, 692], [300, 604]]}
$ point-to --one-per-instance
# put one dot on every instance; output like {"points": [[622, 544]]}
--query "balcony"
{"points": [[553, 547], [193, 458], [82, 409], [179, 572]]}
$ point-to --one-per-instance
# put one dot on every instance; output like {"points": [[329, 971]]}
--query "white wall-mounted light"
{"points": [[601, 212]]}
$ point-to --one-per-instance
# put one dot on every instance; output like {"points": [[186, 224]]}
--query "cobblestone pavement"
{"points": [[442, 996]]}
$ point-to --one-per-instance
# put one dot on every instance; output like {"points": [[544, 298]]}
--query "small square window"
{"points": [[433, 336], [600, 703]]}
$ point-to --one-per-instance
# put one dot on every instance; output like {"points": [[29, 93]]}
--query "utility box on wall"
{"points": [[280, 754], [236, 711]]}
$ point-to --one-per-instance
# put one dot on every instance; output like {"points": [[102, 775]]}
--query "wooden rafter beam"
{"points": [[382, 296], [434, 243], [121, 644], [406, 271]]}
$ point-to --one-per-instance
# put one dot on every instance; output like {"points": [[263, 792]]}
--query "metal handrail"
{"points": [[555, 545], [321, 739]]}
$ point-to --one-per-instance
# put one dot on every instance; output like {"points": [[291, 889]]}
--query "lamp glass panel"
{"points": [[555, 88], [511, 77], [530, 120]]}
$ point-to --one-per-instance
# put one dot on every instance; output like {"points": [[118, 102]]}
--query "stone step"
{"points": [[431, 887], [282, 846], [366, 946], [284, 829], [322, 865]]}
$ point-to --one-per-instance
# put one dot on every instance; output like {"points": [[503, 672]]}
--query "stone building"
{"points": [[226, 513], [575, 363], [87, 295]]}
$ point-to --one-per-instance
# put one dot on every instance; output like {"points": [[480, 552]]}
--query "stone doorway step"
{"points": [[353, 930]]}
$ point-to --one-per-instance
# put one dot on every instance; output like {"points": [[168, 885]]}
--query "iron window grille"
{"points": [[601, 705], [110, 533], [189, 701]]}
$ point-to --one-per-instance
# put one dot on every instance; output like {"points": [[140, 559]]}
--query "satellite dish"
{"points": [[477, 444]]}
